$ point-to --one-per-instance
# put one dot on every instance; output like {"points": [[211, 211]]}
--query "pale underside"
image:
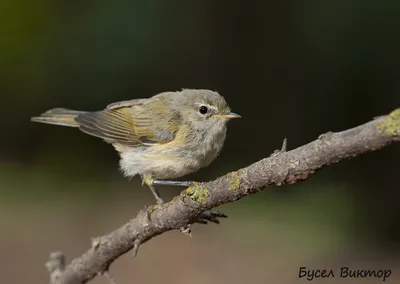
{"points": [[171, 160]]}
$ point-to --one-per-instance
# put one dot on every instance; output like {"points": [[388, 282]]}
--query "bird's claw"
{"points": [[204, 218], [210, 216]]}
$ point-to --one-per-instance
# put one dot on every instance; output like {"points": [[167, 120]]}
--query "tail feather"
{"points": [[59, 116]]}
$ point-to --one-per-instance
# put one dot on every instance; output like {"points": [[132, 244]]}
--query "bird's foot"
{"points": [[204, 218], [210, 216]]}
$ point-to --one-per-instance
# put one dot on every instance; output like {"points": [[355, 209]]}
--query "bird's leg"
{"points": [[156, 194], [147, 180], [173, 182]]}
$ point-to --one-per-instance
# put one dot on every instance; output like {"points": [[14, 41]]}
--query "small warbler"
{"points": [[163, 137]]}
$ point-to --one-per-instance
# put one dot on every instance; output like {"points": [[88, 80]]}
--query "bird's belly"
{"points": [[162, 164]]}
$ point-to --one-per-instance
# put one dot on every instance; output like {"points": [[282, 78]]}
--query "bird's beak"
{"points": [[227, 116]]}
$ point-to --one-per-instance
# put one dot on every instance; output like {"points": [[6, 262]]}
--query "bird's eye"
{"points": [[203, 109]]}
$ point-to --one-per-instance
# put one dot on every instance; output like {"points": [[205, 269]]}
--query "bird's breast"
{"points": [[175, 159]]}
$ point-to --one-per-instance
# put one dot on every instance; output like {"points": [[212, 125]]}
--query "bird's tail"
{"points": [[59, 116]]}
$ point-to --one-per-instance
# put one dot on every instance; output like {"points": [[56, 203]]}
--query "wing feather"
{"points": [[133, 123]]}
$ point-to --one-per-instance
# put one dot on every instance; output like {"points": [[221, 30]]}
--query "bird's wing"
{"points": [[133, 123], [121, 104]]}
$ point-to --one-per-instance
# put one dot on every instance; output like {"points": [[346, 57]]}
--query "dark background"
{"points": [[292, 69]]}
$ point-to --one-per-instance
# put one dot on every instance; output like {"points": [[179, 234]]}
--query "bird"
{"points": [[160, 138]]}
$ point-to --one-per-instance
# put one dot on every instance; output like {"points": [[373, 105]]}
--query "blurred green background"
{"points": [[292, 69]]}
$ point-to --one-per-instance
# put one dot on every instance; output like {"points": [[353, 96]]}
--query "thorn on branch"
{"points": [[325, 135], [284, 145], [186, 230], [107, 275], [282, 150], [96, 242], [55, 265], [136, 245]]}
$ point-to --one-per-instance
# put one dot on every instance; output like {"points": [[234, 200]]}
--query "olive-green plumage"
{"points": [[166, 136]]}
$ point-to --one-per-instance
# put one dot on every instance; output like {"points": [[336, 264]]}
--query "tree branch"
{"points": [[280, 168]]}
